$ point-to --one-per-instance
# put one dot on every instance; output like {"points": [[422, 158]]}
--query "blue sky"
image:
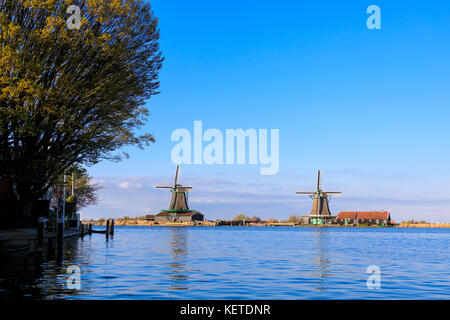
{"points": [[370, 108]]}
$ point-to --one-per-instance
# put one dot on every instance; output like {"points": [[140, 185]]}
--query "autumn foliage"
{"points": [[71, 96]]}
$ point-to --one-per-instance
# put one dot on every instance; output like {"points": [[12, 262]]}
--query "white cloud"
{"points": [[124, 185]]}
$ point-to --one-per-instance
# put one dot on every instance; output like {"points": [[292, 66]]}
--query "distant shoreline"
{"points": [[423, 225], [143, 223]]}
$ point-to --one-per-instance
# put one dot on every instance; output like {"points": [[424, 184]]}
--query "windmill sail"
{"points": [[163, 187], [318, 180], [176, 175]]}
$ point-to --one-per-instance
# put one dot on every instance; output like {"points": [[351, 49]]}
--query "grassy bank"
{"points": [[121, 222], [423, 225]]}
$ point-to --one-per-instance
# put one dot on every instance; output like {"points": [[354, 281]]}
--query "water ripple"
{"points": [[239, 263]]}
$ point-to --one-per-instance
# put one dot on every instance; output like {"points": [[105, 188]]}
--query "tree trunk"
{"points": [[24, 211]]}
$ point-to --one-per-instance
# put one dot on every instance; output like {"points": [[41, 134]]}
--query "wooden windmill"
{"points": [[179, 201], [320, 198]]}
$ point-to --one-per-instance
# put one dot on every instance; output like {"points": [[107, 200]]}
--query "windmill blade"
{"points": [[176, 175], [319, 181], [184, 188], [305, 192], [163, 187], [333, 194]]}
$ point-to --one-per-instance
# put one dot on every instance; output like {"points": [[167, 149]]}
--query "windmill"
{"points": [[320, 208], [179, 200]]}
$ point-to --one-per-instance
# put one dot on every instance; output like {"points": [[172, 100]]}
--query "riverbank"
{"points": [[423, 225], [32, 240], [120, 222], [144, 223], [138, 222]]}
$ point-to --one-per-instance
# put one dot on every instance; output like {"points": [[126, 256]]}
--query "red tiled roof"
{"points": [[382, 215], [347, 215], [162, 214], [364, 215], [191, 213]]}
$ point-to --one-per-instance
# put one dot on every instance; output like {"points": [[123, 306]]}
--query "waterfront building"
{"points": [[187, 216], [381, 218], [8, 205]]}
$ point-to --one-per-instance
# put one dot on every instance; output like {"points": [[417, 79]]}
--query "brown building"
{"points": [[188, 216], [8, 206], [381, 218]]}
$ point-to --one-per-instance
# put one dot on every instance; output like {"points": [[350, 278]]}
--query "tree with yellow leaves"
{"points": [[71, 96]]}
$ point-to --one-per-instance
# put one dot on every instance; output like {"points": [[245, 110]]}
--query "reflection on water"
{"points": [[177, 267], [18, 276], [236, 263], [323, 264], [38, 275]]}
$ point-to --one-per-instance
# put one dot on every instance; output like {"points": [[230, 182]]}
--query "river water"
{"points": [[238, 263]]}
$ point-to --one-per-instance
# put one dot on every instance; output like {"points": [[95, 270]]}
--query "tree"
{"points": [[84, 188], [294, 218], [241, 217], [72, 96]]}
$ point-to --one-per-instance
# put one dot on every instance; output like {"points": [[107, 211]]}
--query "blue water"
{"points": [[239, 263]]}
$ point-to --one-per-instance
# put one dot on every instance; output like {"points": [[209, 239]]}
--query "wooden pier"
{"points": [[36, 239]]}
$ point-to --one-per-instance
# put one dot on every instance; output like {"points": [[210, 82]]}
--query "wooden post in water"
{"points": [[32, 245], [51, 244], [60, 233], [107, 228], [82, 229], [90, 228], [41, 231], [111, 227]]}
